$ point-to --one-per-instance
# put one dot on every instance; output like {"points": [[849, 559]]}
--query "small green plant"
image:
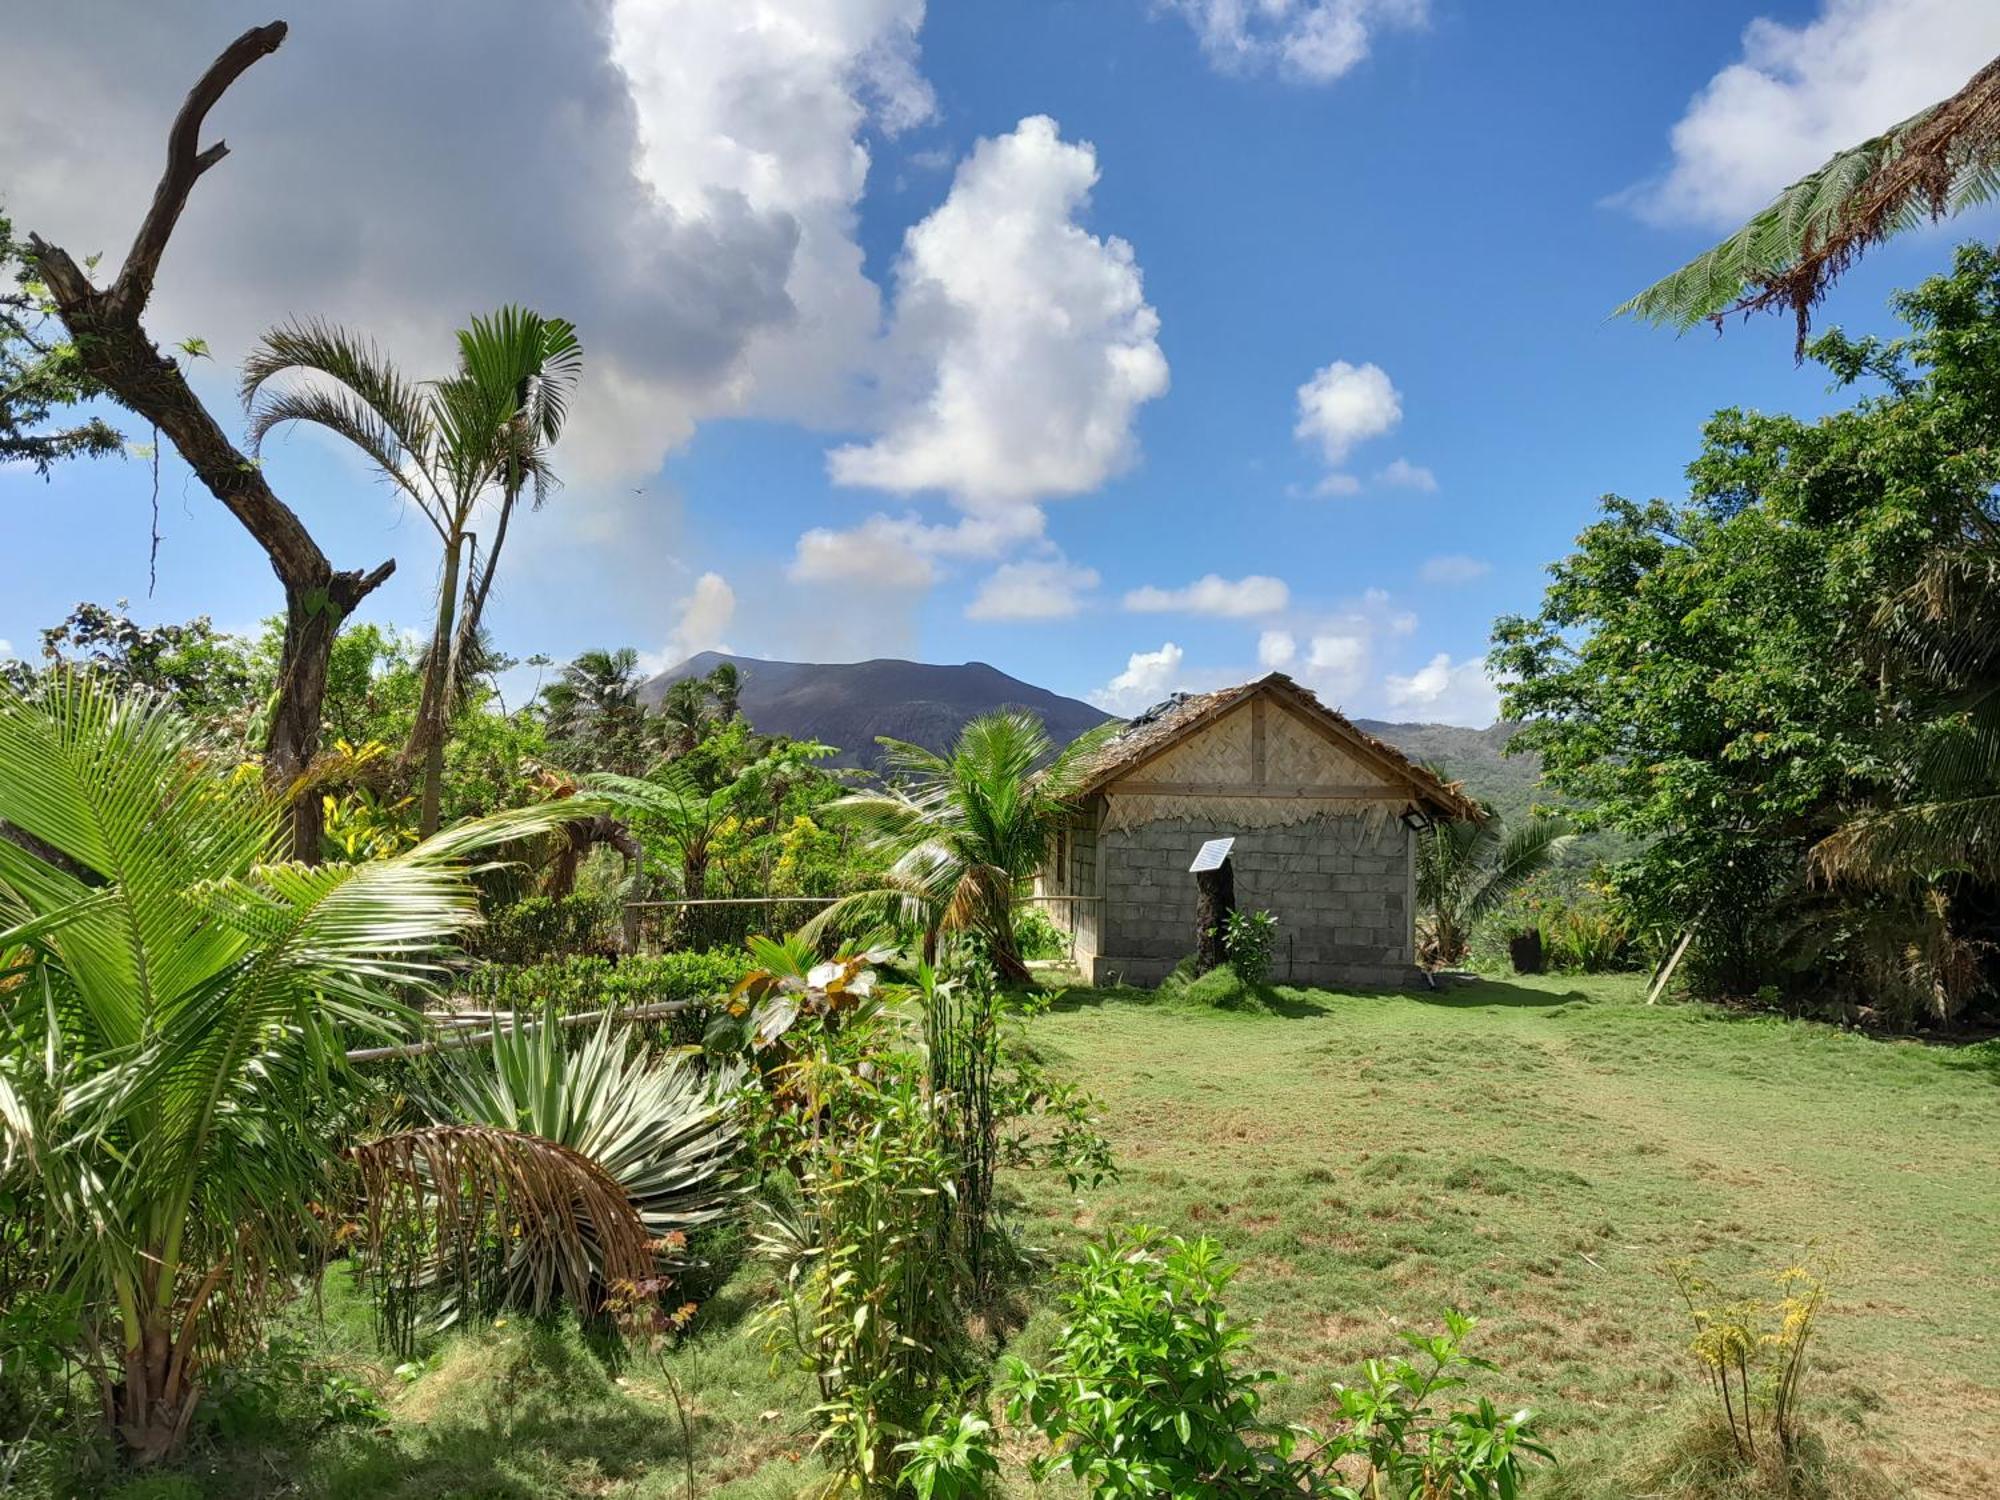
{"points": [[1250, 938], [1037, 936], [954, 1462], [1466, 1453], [1754, 1350], [1142, 1397]]}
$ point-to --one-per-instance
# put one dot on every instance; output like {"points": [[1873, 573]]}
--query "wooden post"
{"points": [[1215, 899]]}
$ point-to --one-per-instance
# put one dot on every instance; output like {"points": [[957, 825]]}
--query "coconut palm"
{"points": [[1465, 870], [1934, 164], [688, 711], [725, 685], [967, 831], [592, 710], [484, 433], [173, 1004]]}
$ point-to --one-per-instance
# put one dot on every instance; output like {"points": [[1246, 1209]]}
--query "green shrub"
{"points": [[1036, 934], [1587, 938], [950, 1463], [1250, 938], [581, 984], [1141, 1397], [540, 928]]}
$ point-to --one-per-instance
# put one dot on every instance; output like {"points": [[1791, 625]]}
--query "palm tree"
{"points": [[688, 713], [1465, 870], [447, 445], [968, 831], [1933, 165], [593, 710], [725, 685], [173, 1006]]}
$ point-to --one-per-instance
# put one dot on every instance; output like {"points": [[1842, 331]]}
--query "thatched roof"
{"points": [[1167, 724]]}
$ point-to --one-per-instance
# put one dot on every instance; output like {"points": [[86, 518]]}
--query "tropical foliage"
{"points": [[657, 1126], [1939, 162], [1467, 870], [175, 1003], [1785, 685], [445, 445], [966, 832], [40, 375]]}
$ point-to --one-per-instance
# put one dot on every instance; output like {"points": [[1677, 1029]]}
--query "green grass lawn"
{"points": [[1530, 1151]]}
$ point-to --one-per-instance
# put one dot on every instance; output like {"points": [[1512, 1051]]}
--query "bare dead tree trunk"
{"points": [[115, 352]]}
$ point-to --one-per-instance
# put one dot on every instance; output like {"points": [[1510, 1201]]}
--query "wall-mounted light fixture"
{"points": [[1416, 820]]}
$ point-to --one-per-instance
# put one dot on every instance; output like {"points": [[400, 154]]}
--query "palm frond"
{"points": [[1523, 853], [453, 1204], [1932, 165]]}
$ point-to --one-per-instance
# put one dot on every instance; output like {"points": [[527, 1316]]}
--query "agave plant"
{"points": [[659, 1128], [174, 1000]]}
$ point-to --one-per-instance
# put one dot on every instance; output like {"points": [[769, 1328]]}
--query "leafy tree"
{"points": [[1796, 650], [40, 375], [211, 676], [1466, 871], [1936, 163], [448, 446], [967, 831], [173, 1001]]}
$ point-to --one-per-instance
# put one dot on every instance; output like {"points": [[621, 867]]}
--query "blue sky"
{"points": [[1127, 346]]}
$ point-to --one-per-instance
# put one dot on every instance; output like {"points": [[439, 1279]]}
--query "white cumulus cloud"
{"points": [[1276, 649], [1345, 404], [1446, 692], [1452, 568], [1148, 677], [1798, 94], [1022, 345], [1213, 594], [1044, 589], [1313, 41]]}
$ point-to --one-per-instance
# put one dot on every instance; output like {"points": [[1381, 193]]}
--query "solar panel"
{"points": [[1212, 855]]}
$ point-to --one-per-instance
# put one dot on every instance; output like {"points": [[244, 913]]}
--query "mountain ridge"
{"points": [[848, 704]]}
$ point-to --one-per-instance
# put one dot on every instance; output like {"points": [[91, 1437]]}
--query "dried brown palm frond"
{"points": [[1934, 164], [457, 1206]]}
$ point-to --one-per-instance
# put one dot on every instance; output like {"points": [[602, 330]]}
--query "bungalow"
{"points": [[1324, 817]]}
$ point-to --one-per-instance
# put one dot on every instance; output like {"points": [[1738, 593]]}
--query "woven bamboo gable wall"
{"points": [[1297, 772]]}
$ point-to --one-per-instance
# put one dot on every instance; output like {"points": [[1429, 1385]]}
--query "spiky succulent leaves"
{"points": [[501, 1217], [1935, 164], [660, 1127]]}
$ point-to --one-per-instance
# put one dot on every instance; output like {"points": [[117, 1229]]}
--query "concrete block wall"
{"points": [[1340, 887]]}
